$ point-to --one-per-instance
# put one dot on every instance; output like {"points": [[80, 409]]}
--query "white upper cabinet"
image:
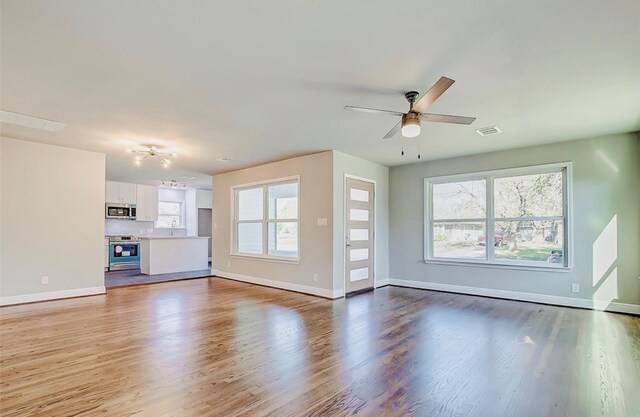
{"points": [[111, 195], [120, 192], [203, 199], [147, 203]]}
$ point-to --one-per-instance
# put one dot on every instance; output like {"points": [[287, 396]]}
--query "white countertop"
{"points": [[172, 237]]}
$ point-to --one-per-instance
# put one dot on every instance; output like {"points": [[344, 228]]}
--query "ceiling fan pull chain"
{"points": [[402, 144], [419, 148]]}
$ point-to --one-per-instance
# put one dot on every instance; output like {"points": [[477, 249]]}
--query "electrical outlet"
{"points": [[45, 280], [575, 288], [215, 225], [229, 264], [315, 276]]}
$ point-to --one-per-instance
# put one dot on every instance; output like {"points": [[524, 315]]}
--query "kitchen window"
{"points": [[170, 214], [514, 218], [266, 220]]}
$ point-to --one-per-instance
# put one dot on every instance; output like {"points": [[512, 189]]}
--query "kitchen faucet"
{"points": [[173, 224]]}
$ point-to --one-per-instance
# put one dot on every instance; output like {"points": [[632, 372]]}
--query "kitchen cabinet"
{"points": [[120, 192], [147, 203], [203, 199]]}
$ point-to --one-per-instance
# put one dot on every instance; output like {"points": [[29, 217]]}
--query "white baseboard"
{"points": [[53, 295], [381, 283], [518, 296], [320, 292]]}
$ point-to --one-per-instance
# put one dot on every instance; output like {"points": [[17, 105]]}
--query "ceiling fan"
{"points": [[410, 123]]}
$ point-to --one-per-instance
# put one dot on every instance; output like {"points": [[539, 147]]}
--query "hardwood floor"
{"points": [[213, 347]]}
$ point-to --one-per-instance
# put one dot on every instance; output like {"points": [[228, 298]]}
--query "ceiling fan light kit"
{"points": [[409, 125]]}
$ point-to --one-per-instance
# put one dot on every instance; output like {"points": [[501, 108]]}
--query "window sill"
{"points": [[170, 228], [496, 265], [267, 258]]}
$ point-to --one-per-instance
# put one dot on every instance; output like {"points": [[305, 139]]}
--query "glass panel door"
{"points": [[359, 235]]}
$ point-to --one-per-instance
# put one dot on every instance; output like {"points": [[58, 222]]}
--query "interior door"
{"points": [[359, 234]]}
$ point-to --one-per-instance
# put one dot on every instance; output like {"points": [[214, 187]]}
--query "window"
{"points": [[170, 214], [266, 220], [508, 217]]}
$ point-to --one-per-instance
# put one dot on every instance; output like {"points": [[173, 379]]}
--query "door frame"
{"points": [[344, 227]]}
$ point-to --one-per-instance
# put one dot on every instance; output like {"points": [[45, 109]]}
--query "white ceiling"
{"points": [[258, 80]]}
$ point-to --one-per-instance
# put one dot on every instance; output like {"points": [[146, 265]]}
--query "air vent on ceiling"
{"points": [[30, 121], [490, 130], [224, 159]]}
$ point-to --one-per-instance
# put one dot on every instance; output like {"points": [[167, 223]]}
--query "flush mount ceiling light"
{"points": [[151, 152], [30, 121], [224, 159]]}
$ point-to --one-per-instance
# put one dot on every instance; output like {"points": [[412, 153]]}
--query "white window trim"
{"points": [[265, 220], [489, 176], [183, 220]]}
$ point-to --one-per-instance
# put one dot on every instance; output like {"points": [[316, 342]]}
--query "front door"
{"points": [[359, 234]]}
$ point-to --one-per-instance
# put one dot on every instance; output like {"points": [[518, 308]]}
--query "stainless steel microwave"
{"points": [[120, 211]]}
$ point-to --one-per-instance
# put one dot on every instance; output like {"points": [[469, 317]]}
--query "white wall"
{"points": [[606, 185], [316, 201], [51, 221], [346, 164], [1, 210]]}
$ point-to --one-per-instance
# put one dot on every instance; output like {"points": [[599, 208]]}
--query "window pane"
{"points": [[358, 234], [359, 215], [250, 204], [528, 195], [283, 239], [250, 238], [169, 208], [283, 201], [358, 274], [459, 240], [460, 200], [530, 241], [361, 254], [359, 195]]}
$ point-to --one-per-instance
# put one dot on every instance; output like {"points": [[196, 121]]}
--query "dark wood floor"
{"points": [[135, 277], [212, 347]]}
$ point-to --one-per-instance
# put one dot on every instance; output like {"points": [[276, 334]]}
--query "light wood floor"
{"points": [[212, 347]]}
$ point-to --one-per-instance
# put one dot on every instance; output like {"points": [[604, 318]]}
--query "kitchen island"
{"points": [[168, 254]]}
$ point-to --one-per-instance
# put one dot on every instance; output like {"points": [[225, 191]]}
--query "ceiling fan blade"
{"points": [[432, 95], [445, 118], [368, 110], [394, 131]]}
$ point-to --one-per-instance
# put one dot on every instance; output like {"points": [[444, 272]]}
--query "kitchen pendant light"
{"points": [[410, 125]]}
